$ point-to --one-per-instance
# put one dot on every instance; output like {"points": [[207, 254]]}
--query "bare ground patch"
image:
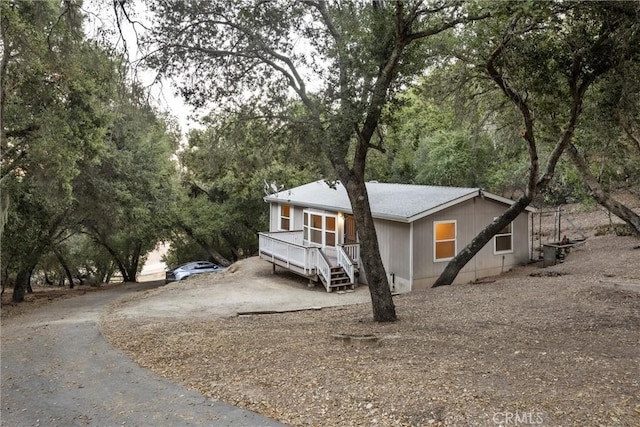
{"points": [[43, 295], [563, 350]]}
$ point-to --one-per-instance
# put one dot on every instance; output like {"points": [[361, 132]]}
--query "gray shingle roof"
{"points": [[400, 202]]}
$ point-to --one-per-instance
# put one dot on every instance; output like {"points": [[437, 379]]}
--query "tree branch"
{"points": [[520, 103]]}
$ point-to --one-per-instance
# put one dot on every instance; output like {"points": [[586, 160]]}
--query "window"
{"points": [[503, 241], [285, 217], [444, 233], [320, 228], [330, 231]]}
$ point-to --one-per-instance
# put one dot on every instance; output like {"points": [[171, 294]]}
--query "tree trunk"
{"points": [[123, 271], [215, 255], [134, 261], [67, 270], [47, 280], [601, 196], [132, 273], [114, 255], [233, 245], [383, 308], [20, 288], [5, 278]]}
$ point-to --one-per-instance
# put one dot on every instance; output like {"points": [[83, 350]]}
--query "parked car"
{"points": [[191, 268]]}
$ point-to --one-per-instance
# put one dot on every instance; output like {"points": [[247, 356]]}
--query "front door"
{"points": [[350, 235]]}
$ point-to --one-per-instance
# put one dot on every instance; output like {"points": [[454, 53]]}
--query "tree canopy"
{"points": [[342, 61], [536, 101], [82, 151]]}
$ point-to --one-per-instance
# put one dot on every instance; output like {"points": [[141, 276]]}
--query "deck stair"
{"points": [[336, 265], [339, 280]]}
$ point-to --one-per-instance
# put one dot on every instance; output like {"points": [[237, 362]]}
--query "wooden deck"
{"points": [[335, 268]]}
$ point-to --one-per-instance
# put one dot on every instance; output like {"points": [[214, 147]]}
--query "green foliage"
{"points": [[453, 158], [45, 130], [81, 149], [224, 170], [130, 194]]}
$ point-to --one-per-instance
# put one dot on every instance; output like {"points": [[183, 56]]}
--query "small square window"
{"points": [[285, 217], [503, 240]]}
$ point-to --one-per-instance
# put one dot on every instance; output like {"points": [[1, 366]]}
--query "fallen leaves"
{"points": [[564, 348]]}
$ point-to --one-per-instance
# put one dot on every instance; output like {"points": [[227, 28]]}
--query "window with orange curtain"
{"points": [[285, 217], [444, 233]]}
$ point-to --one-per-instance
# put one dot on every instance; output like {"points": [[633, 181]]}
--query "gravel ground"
{"points": [[561, 349]]}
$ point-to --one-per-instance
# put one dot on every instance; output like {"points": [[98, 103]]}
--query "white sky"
{"points": [[101, 24]]}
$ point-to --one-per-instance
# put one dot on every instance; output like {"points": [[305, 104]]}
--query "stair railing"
{"points": [[324, 269], [345, 261]]}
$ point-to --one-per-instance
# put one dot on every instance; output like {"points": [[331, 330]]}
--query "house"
{"points": [[420, 228]]}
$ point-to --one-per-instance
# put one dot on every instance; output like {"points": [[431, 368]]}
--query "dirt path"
{"points": [[58, 370]]}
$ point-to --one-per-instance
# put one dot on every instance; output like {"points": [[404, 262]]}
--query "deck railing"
{"points": [[353, 250], [284, 246], [324, 269], [287, 248]]}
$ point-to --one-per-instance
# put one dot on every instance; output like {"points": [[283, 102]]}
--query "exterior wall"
{"points": [[486, 259], [297, 217], [471, 217], [274, 217], [423, 240], [394, 241]]}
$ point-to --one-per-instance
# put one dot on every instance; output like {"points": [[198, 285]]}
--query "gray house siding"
{"points": [[394, 241], [490, 263], [471, 217], [425, 269], [274, 217], [298, 218]]}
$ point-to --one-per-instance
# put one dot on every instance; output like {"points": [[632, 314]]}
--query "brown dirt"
{"points": [[562, 349], [43, 295]]}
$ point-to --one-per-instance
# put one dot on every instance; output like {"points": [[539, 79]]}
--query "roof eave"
{"points": [[505, 200], [443, 206]]}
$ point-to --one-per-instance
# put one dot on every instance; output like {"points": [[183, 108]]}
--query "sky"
{"points": [[101, 25]]}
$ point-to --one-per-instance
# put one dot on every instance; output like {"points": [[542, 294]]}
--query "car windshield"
{"points": [[196, 265]]}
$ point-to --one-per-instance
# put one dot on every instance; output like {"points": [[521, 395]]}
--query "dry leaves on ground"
{"points": [[559, 350]]}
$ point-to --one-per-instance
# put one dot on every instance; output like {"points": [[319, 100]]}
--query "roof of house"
{"points": [[397, 202]]}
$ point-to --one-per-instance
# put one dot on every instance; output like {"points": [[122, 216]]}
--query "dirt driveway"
{"points": [[248, 287], [557, 348]]}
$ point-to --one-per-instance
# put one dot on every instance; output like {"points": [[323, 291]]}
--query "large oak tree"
{"points": [[548, 54], [342, 60]]}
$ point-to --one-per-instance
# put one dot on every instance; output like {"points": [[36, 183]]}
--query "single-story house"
{"points": [[420, 228]]}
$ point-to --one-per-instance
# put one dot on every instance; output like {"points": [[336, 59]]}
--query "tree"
{"points": [[223, 170], [128, 193], [550, 51], [343, 61], [51, 120], [62, 109], [607, 137]]}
